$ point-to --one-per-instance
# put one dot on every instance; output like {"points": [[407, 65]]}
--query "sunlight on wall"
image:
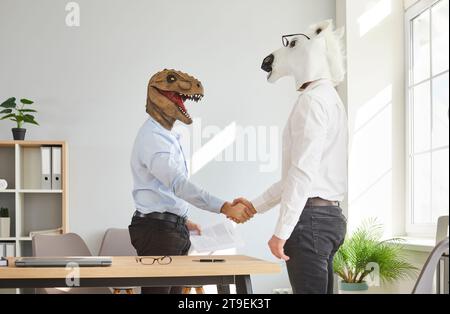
{"points": [[370, 166], [374, 16], [373, 107], [213, 148]]}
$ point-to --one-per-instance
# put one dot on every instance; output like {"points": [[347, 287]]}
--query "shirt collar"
{"points": [[315, 84], [164, 130]]}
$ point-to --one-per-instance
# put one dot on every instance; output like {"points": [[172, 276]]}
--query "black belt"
{"points": [[161, 216], [319, 202]]}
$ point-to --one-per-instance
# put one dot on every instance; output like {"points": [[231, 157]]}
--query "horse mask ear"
{"points": [[321, 27]]}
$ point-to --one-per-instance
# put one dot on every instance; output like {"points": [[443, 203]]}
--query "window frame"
{"points": [[425, 229]]}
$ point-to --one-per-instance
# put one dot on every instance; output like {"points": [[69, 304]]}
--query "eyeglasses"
{"points": [[163, 260], [286, 41]]}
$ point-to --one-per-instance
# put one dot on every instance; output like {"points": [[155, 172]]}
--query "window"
{"points": [[427, 29]]}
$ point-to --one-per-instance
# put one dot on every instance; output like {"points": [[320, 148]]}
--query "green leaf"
{"points": [[6, 111], [27, 110], [9, 103], [26, 101], [29, 119], [33, 122], [19, 118], [8, 116]]}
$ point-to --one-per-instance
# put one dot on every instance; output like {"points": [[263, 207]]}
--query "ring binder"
{"points": [[56, 168], [46, 182]]}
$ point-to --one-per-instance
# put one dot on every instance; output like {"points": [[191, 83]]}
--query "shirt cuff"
{"points": [[215, 204], [260, 204], [283, 231]]}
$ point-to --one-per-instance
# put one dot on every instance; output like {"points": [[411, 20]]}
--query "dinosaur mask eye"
{"points": [[292, 44], [171, 78]]}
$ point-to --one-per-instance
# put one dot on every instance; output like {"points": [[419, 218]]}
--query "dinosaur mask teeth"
{"points": [[179, 99], [195, 98]]}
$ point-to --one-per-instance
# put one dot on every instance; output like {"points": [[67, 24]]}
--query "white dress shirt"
{"points": [[315, 151]]}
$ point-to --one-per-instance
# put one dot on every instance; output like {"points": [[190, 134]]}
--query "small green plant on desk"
{"points": [[18, 113]]}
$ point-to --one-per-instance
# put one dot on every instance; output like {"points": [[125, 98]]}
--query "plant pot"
{"points": [[353, 288], [19, 134], [5, 223]]}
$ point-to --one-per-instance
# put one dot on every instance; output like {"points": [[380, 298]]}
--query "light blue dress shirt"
{"points": [[160, 175]]}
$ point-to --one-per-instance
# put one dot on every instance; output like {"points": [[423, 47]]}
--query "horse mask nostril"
{"points": [[267, 63]]}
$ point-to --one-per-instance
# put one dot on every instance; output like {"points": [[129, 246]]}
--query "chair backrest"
{"points": [[442, 229], [116, 242], [69, 244], [424, 284]]}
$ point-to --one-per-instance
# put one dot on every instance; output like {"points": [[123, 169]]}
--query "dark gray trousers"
{"points": [[316, 238], [159, 238]]}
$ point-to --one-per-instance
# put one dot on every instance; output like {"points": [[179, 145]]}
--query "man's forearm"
{"points": [[196, 196], [269, 199]]}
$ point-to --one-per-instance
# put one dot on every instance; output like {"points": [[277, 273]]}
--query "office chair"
{"points": [[441, 234], [69, 244], [117, 242], [424, 284], [442, 228]]}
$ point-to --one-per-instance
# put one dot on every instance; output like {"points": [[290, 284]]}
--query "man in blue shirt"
{"points": [[162, 192]]}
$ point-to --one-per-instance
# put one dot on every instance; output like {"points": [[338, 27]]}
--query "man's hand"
{"points": [[245, 202], [276, 246], [193, 227], [239, 213]]}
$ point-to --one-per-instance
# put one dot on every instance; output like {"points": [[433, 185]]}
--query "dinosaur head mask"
{"points": [[167, 91], [308, 57]]}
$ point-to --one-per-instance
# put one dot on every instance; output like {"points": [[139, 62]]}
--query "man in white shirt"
{"points": [[311, 226]]}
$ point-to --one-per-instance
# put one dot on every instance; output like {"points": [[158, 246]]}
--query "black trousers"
{"points": [[151, 237], [316, 238]]}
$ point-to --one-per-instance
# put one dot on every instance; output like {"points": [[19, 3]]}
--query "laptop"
{"points": [[84, 261]]}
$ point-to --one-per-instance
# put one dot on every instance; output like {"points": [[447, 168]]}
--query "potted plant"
{"points": [[19, 114], [4, 223], [364, 256]]}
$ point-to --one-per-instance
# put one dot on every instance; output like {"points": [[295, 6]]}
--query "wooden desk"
{"points": [[125, 272]]}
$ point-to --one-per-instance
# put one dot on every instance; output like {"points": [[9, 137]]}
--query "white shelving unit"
{"points": [[31, 208]]}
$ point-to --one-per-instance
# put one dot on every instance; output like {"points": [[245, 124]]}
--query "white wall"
{"points": [[376, 106], [89, 84], [375, 97]]}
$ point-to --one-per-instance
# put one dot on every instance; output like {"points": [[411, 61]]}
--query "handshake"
{"points": [[240, 211]]}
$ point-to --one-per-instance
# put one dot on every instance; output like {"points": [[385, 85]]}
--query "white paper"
{"points": [[217, 237]]}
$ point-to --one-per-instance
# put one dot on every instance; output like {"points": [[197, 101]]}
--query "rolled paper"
{"points": [[3, 184]]}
